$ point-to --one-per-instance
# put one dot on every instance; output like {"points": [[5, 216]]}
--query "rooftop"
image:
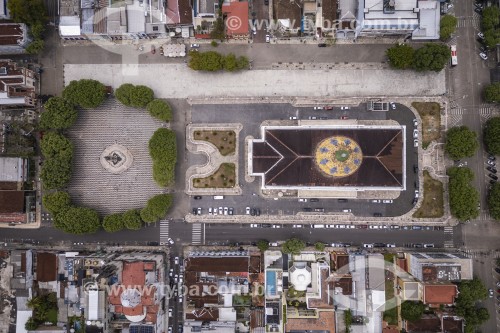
{"points": [[217, 264], [11, 202], [12, 169], [239, 10], [440, 293], [46, 267], [12, 33], [426, 324], [325, 323]]}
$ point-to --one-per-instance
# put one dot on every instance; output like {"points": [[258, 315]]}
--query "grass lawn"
{"points": [[431, 121], [433, 203], [224, 177], [389, 257], [225, 141]]}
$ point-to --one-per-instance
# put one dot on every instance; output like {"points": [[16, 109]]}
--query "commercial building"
{"points": [[17, 85]]}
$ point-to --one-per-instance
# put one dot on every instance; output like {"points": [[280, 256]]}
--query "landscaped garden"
{"points": [[225, 141], [433, 202], [224, 177], [431, 121]]}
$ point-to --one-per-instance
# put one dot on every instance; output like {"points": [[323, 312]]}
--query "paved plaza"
{"points": [[97, 130], [178, 81]]}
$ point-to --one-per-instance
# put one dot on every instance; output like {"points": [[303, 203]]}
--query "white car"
{"points": [[391, 245], [342, 226], [176, 260], [276, 226], [393, 106], [302, 200], [195, 46], [225, 210], [417, 194], [170, 312], [170, 241], [268, 39], [415, 122], [221, 210], [247, 211], [388, 201], [427, 246], [254, 225], [293, 118], [480, 35], [415, 143], [344, 108], [415, 134], [215, 211], [373, 227], [318, 108], [368, 245], [351, 226], [180, 299], [483, 56], [347, 210], [297, 226], [209, 210], [170, 329], [198, 211], [376, 201]]}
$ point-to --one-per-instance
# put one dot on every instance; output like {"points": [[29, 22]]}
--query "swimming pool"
{"points": [[271, 283]]}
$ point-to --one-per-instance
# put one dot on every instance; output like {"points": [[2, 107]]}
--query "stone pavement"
{"points": [[178, 81]]}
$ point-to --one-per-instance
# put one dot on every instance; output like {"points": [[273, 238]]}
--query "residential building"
{"points": [[240, 10], [440, 294], [17, 85], [14, 37], [439, 267], [16, 205], [4, 12]]}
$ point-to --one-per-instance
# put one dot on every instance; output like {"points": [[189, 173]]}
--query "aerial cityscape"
{"points": [[249, 166]]}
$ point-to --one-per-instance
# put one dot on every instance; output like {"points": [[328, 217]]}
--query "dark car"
{"points": [[492, 158], [253, 212], [414, 202], [478, 10], [321, 45], [497, 270], [379, 245], [197, 197], [307, 209], [313, 200], [267, 225], [195, 212], [257, 211], [377, 214], [492, 176], [415, 168], [342, 200], [492, 182], [491, 169]]}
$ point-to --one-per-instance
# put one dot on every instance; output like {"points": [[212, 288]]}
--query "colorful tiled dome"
{"points": [[338, 156]]}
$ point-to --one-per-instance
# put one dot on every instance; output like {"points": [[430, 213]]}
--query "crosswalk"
{"points": [[197, 234], [474, 21], [448, 231], [484, 215], [471, 253], [483, 111], [164, 232]]}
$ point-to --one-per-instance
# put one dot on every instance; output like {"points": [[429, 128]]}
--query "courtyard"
{"points": [[93, 183]]}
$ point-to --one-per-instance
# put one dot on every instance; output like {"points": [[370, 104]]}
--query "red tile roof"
{"points": [[440, 293], [133, 274], [135, 311], [237, 18], [46, 267], [10, 33]]}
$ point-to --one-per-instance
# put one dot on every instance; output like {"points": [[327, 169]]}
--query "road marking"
{"points": [[454, 120], [457, 111], [449, 244], [164, 232], [196, 235], [484, 216], [448, 230]]}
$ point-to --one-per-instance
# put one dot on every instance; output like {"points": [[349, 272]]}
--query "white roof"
{"points": [[69, 26], [12, 169], [93, 305], [22, 318], [4, 99], [429, 20], [227, 314]]}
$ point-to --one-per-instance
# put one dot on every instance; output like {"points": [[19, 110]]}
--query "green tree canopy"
{"points": [[412, 311], [263, 245], [156, 208], [490, 18], [293, 246], [31, 324], [135, 96], [492, 93], [56, 202], [78, 220], [160, 109], [494, 201], [132, 219], [448, 26], [400, 56], [124, 93], [113, 223], [431, 57], [470, 292], [206, 61], [461, 142], [36, 46], [242, 63], [55, 145], [492, 37], [491, 135], [86, 93], [27, 11], [463, 197], [320, 246], [58, 114], [163, 152], [230, 63], [55, 174]]}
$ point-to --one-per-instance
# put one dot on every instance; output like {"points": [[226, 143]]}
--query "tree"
{"points": [[494, 201], [56, 202], [132, 219], [320, 246], [412, 311], [400, 56], [242, 63], [263, 245], [113, 223], [35, 46], [78, 220], [492, 136], [156, 208], [461, 142], [463, 197], [58, 114], [491, 37], [206, 61], [27, 11], [160, 109], [55, 145], [141, 96], [55, 174], [470, 292], [230, 62], [31, 324], [37, 30], [86, 93], [293, 246], [448, 26], [124, 93], [492, 93], [431, 57], [490, 18], [163, 152]]}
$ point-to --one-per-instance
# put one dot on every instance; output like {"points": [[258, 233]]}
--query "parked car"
{"points": [[376, 201], [393, 105], [318, 108], [313, 200], [328, 107], [268, 39], [231, 211], [417, 194], [276, 226], [170, 312], [254, 225], [377, 214], [344, 118], [478, 10], [391, 245], [307, 209], [197, 197], [492, 176], [415, 143], [347, 210], [368, 246], [195, 46], [490, 291], [415, 122], [491, 169], [321, 45], [388, 201], [415, 133], [480, 35], [491, 158], [395, 227], [428, 246], [491, 162], [293, 118], [344, 108], [297, 226], [483, 56], [302, 200], [247, 211], [198, 210], [176, 260], [342, 200]]}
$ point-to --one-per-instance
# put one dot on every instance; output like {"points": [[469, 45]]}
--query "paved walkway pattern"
{"points": [[181, 82]]}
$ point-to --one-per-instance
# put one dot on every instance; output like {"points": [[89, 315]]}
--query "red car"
{"points": [[328, 108], [344, 117]]}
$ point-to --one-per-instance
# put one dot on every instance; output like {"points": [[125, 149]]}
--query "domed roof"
{"points": [[130, 298], [300, 276], [338, 156]]}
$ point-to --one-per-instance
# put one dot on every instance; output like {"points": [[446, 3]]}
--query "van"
{"points": [[218, 197], [318, 226]]}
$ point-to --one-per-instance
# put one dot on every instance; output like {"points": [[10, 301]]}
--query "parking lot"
{"points": [[252, 115]]}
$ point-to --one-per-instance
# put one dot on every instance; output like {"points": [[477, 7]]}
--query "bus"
{"points": [[454, 60]]}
